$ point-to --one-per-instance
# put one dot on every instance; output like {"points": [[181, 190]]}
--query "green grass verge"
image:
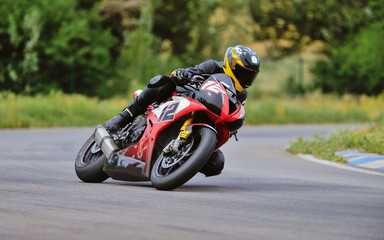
{"points": [[58, 109], [315, 108], [55, 110], [370, 139]]}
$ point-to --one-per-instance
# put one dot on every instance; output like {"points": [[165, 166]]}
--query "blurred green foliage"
{"points": [[300, 22], [51, 44], [355, 65], [106, 47]]}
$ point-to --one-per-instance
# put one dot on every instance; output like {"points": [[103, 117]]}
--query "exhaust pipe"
{"points": [[105, 141]]}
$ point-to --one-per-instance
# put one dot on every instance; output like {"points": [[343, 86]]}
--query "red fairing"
{"points": [[157, 121], [168, 112]]}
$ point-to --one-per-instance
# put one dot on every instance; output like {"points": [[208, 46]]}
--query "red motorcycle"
{"points": [[169, 144]]}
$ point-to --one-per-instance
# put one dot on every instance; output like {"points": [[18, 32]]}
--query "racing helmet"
{"points": [[242, 64]]}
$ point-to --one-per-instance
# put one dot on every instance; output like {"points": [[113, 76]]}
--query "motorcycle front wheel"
{"points": [[173, 170], [89, 163]]}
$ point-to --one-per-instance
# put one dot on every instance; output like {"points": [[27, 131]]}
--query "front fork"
{"points": [[175, 145]]}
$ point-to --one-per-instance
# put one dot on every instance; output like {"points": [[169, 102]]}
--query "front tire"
{"points": [[170, 172], [89, 163]]}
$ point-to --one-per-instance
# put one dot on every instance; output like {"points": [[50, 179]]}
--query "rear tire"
{"points": [[89, 163], [170, 172]]}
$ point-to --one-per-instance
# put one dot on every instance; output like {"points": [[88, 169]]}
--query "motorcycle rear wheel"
{"points": [[170, 172], [89, 163]]}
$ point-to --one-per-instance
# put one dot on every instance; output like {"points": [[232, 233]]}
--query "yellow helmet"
{"points": [[242, 64]]}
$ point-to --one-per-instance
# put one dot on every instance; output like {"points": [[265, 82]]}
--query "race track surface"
{"points": [[263, 193]]}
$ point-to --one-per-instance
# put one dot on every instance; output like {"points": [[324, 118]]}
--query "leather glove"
{"points": [[181, 75]]}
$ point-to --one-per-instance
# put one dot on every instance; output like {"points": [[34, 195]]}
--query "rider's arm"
{"points": [[208, 67]]}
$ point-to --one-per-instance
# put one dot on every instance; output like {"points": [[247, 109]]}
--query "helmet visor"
{"points": [[245, 76]]}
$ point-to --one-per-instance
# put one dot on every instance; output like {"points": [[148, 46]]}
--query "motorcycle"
{"points": [[171, 142]]}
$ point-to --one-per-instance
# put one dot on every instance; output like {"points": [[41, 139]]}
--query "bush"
{"points": [[356, 67], [48, 45]]}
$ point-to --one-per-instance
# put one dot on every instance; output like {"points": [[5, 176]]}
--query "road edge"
{"points": [[311, 158]]}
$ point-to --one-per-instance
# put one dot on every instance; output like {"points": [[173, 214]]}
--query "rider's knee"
{"points": [[158, 81], [215, 164]]}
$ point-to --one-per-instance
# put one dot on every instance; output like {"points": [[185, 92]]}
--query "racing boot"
{"points": [[214, 165], [126, 116]]}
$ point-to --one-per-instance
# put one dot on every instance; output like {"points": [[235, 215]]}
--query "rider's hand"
{"points": [[181, 75]]}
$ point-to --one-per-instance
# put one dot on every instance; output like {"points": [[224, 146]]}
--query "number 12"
{"points": [[168, 112]]}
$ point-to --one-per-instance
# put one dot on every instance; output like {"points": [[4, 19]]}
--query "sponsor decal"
{"points": [[212, 86]]}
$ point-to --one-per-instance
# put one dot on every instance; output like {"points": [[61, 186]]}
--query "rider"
{"points": [[240, 63]]}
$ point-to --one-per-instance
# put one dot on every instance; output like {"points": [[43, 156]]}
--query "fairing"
{"points": [[134, 162]]}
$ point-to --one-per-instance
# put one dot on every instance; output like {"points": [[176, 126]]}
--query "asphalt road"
{"points": [[263, 193]]}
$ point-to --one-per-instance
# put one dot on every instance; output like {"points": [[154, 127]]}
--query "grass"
{"points": [[58, 109], [55, 109], [370, 139], [315, 108]]}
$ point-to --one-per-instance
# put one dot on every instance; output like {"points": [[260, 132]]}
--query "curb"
{"points": [[354, 168], [362, 159]]}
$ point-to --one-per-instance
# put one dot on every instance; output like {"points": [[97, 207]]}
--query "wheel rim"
{"points": [[169, 163], [92, 153]]}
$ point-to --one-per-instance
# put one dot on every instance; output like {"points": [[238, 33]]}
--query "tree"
{"points": [[355, 65], [119, 17], [172, 20], [52, 44], [141, 57], [299, 22]]}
